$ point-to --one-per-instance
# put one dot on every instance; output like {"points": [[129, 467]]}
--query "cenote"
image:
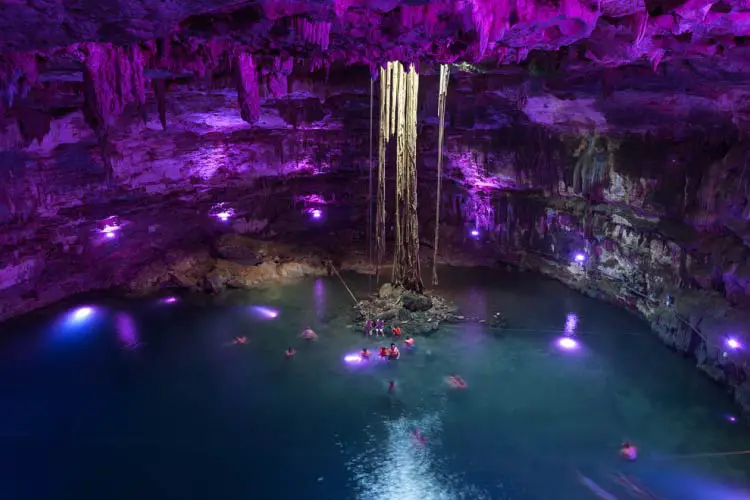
{"points": [[187, 414]]}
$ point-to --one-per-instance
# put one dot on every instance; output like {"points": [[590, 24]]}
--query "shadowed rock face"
{"points": [[613, 130]]}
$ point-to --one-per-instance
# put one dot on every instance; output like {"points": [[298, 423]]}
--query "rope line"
{"points": [[708, 455]]}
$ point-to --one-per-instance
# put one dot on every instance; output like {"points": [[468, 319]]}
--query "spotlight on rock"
{"points": [[316, 213], [733, 343], [731, 419], [580, 258], [567, 343], [109, 227], [474, 233], [222, 211], [168, 300]]}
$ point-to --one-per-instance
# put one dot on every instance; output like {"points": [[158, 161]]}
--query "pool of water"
{"points": [[187, 414]]}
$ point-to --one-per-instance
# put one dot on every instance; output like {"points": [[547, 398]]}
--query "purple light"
{"points": [[82, 313], [222, 212], [316, 213], [266, 312], [127, 331], [731, 419], [474, 233], [73, 320], [352, 359], [168, 300], [733, 343], [580, 257], [567, 343], [109, 226]]}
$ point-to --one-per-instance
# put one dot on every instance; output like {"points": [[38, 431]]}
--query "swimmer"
{"points": [[289, 354], [364, 354], [396, 331], [394, 352], [391, 387], [383, 352], [628, 451], [239, 340], [456, 382], [308, 334], [379, 327], [409, 342]]}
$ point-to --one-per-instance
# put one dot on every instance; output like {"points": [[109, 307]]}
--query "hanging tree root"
{"points": [[399, 90], [442, 95]]}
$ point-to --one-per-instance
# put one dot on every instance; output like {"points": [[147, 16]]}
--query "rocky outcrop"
{"points": [[271, 263], [687, 282]]}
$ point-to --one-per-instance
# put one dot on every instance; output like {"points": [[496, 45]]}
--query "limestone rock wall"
{"points": [[689, 285]]}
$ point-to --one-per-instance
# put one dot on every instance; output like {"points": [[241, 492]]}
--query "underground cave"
{"points": [[215, 214]]}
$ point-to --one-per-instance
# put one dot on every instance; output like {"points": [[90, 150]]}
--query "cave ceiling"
{"points": [[667, 67]]}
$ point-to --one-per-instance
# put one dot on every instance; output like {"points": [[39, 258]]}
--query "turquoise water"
{"points": [[187, 414]]}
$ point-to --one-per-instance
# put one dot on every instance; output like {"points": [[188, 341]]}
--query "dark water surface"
{"points": [[188, 415]]}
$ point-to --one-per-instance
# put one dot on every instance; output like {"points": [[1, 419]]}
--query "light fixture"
{"points": [[567, 343]]}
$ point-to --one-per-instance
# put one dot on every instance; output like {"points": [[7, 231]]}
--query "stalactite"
{"points": [[160, 93], [442, 95], [316, 33], [247, 88], [112, 79]]}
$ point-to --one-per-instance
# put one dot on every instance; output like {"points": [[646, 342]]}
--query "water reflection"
{"points": [[127, 331], [571, 323], [407, 468], [320, 298]]}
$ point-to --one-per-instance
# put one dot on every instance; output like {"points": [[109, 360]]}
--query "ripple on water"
{"points": [[396, 465]]}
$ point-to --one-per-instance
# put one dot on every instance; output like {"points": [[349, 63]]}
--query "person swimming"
{"points": [[394, 353], [409, 342], [379, 327], [391, 387], [308, 334], [364, 354], [289, 354], [456, 382], [396, 331], [383, 352], [628, 451]]}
